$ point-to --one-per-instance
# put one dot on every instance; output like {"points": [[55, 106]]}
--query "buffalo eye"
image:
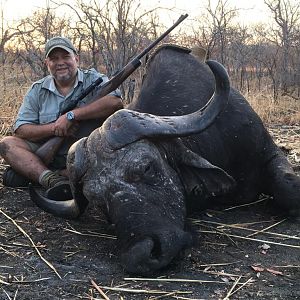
{"points": [[141, 171]]}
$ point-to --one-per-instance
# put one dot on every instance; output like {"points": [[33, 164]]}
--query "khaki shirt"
{"points": [[43, 102]]}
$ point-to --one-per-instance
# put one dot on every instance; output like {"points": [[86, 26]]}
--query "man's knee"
{"points": [[4, 145], [11, 142]]}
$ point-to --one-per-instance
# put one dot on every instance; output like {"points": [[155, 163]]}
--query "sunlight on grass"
{"points": [[13, 87], [286, 110]]}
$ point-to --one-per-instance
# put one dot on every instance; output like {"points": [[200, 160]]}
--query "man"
{"points": [[39, 117]]}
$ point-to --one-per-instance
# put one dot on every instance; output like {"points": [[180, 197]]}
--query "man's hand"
{"points": [[64, 127]]}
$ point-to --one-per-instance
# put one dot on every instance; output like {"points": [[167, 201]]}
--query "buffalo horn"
{"points": [[127, 126], [60, 208]]}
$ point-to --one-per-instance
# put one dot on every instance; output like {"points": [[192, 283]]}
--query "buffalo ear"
{"points": [[201, 179], [77, 160], [200, 53], [77, 165]]}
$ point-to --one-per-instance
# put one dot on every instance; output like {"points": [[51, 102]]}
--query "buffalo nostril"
{"points": [[156, 250], [135, 259]]}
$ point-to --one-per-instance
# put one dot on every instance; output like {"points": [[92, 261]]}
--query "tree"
{"points": [[113, 32], [40, 27], [239, 56], [220, 23], [286, 14], [8, 35]]}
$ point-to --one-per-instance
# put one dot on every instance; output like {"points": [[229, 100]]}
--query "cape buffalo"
{"points": [[150, 164]]}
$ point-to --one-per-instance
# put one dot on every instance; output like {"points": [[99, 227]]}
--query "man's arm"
{"points": [[98, 109], [34, 133], [101, 108]]}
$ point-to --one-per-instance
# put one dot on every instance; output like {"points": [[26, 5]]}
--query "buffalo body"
{"points": [[150, 165]]}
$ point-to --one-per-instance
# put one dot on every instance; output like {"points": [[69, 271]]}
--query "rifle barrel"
{"points": [[181, 18], [83, 94], [47, 151]]}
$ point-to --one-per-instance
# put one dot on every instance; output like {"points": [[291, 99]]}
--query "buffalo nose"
{"points": [[154, 252]]}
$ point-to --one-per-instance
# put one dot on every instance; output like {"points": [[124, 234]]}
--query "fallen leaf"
{"points": [[264, 246], [225, 279], [207, 268], [274, 272], [257, 269]]}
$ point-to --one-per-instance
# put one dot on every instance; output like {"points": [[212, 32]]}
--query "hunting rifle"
{"points": [[47, 151]]}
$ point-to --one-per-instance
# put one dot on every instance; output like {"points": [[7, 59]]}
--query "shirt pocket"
{"points": [[47, 118]]}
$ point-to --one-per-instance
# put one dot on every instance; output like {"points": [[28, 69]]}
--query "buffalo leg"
{"points": [[283, 184]]}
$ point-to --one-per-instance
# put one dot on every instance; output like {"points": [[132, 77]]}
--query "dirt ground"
{"points": [[246, 252]]}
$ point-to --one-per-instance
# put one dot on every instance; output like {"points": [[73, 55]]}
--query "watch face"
{"points": [[70, 115]]}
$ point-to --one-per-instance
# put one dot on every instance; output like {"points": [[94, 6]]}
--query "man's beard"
{"points": [[66, 77]]}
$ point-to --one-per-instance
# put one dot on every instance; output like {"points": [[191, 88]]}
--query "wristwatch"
{"points": [[70, 116]]}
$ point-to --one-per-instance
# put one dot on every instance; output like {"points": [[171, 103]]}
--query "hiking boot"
{"points": [[60, 192], [57, 186], [51, 179], [13, 179]]}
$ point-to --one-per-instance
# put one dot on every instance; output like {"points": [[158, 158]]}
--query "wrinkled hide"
{"points": [[134, 184], [149, 165], [237, 142], [142, 193]]}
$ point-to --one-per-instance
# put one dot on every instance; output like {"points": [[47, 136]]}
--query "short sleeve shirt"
{"points": [[43, 102]]}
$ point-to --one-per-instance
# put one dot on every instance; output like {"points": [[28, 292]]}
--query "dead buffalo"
{"points": [[151, 163]]}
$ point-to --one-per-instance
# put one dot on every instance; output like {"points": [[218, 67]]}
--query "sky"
{"points": [[252, 11]]}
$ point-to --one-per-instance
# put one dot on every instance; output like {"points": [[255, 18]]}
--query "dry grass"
{"points": [[13, 87], [285, 111]]}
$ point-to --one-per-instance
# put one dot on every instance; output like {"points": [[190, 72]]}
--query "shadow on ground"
{"points": [[247, 252], [264, 265]]}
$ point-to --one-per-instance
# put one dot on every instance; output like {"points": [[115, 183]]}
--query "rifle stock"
{"points": [[48, 150]]}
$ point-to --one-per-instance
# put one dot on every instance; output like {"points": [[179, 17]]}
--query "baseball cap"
{"points": [[59, 42]]}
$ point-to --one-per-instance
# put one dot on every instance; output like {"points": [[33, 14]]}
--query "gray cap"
{"points": [[59, 42]]}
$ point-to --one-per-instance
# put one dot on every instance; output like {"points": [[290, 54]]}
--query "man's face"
{"points": [[62, 65]]}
